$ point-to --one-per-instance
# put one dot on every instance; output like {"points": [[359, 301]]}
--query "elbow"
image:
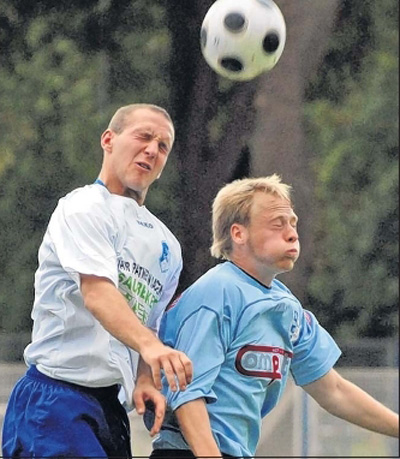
{"points": [[328, 391], [333, 401]]}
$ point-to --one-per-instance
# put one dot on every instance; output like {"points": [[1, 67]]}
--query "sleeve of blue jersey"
{"points": [[199, 335], [314, 353]]}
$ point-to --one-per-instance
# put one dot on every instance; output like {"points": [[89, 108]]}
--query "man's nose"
{"points": [[293, 235], [152, 147]]}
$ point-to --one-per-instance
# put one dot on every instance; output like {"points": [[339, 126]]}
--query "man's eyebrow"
{"points": [[283, 215], [142, 128], [149, 130]]}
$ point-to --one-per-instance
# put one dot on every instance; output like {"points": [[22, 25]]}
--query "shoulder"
{"points": [[220, 289], [205, 291], [85, 199], [81, 210], [280, 294], [218, 281], [280, 287]]}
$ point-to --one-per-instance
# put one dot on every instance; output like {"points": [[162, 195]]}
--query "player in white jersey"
{"points": [[107, 269], [245, 331]]}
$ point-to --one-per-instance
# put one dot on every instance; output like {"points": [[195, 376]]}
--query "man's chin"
{"points": [[287, 265]]}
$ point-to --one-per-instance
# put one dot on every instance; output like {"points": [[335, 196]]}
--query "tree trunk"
{"points": [[203, 168], [279, 143]]}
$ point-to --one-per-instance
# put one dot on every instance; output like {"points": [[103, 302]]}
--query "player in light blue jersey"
{"points": [[245, 332], [107, 269]]}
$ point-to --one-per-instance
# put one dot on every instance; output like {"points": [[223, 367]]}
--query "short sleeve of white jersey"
{"points": [[200, 338], [81, 232], [314, 353]]}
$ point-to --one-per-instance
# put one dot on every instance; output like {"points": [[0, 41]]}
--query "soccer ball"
{"points": [[240, 39]]}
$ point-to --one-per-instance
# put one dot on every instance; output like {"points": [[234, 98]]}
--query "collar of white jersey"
{"points": [[100, 182]]}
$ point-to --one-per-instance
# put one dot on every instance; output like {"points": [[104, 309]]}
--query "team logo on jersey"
{"points": [[263, 361], [164, 259], [295, 327]]}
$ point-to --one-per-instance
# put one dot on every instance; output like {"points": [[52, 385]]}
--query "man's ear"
{"points": [[239, 234], [106, 140]]}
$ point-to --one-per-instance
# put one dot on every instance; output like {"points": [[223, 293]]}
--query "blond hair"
{"points": [[118, 121], [233, 204]]}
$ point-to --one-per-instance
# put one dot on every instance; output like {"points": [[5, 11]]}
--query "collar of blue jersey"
{"points": [[247, 274]]}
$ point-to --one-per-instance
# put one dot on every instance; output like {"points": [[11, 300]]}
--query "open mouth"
{"points": [[144, 166]]}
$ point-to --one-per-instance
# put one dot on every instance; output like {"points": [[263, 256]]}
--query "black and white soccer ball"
{"points": [[240, 39]]}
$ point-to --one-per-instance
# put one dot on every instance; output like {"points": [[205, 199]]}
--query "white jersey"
{"points": [[98, 233]]}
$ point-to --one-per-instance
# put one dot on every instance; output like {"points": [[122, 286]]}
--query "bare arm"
{"points": [[110, 308], [195, 425], [345, 400]]}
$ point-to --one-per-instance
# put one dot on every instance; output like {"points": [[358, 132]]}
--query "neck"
{"points": [[116, 187], [139, 197], [261, 273]]}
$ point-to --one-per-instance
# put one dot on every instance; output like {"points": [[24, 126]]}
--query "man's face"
{"points": [[272, 239], [137, 155]]}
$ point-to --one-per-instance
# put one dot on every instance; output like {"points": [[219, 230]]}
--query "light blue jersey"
{"points": [[243, 339]]}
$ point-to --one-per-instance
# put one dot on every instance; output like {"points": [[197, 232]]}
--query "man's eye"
{"points": [[144, 135], [163, 147]]}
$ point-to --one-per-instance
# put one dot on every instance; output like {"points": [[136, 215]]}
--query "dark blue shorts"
{"points": [[177, 453], [46, 417]]}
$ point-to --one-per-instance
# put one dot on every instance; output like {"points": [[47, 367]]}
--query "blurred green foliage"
{"points": [[354, 284]]}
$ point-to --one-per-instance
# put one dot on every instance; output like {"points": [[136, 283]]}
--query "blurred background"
{"points": [[325, 119]]}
